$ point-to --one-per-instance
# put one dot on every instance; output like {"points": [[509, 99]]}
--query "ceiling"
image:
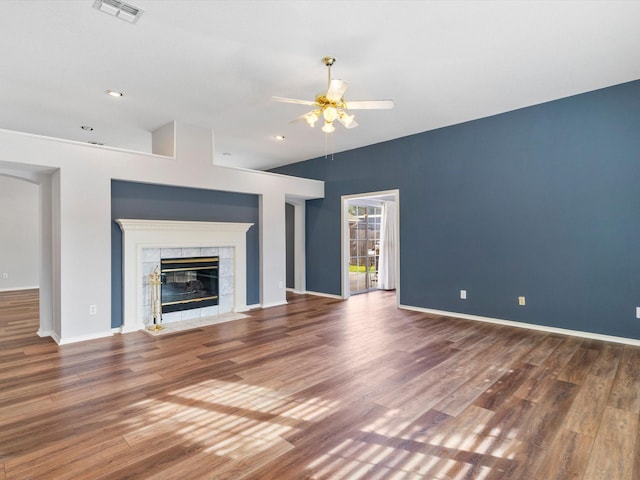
{"points": [[216, 64]]}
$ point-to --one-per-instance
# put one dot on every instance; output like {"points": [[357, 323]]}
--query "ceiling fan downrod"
{"points": [[329, 61]]}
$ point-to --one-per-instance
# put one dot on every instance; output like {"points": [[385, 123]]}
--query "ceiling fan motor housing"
{"points": [[329, 61]]}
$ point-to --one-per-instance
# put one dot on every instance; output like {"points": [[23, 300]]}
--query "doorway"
{"points": [[370, 242], [48, 246]]}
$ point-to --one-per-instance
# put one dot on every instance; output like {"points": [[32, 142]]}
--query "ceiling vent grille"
{"points": [[124, 11]]}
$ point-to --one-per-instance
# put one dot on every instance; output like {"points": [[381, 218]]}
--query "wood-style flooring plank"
{"points": [[571, 460], [625, 394], [614, 449], [577, 368], [585, 414]]}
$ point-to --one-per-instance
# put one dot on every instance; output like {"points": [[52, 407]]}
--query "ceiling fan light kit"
{"points": [[331, 105]]}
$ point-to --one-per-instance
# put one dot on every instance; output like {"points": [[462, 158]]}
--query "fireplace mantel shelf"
{"points": [[179, 226]]}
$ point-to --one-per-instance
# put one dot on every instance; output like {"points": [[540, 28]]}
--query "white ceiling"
{"points": [[216, 64]]}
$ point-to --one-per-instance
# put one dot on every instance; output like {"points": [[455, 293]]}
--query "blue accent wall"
{"points": [[157, 202], [541, 202]]}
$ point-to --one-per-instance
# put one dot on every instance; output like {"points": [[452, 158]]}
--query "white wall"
{"points": [[80, 238], [19, 234]]}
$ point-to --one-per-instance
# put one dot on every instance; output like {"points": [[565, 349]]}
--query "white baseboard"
{"points": [[81, 338], [529, 326], [17, 289], [55, 337], [320, 294], [274, 304], [293, 290], [45, 333], [135, 327]]}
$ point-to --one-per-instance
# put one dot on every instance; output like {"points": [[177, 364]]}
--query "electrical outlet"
{"points": [[521, 301], [93, 309], [463, 294], [5, 275], [280, 285], [637, 312]]}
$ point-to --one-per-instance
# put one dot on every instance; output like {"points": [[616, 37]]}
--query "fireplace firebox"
{"points": [[188, 283]]}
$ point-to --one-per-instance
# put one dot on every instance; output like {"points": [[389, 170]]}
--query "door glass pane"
{"points": [[364, 247]]}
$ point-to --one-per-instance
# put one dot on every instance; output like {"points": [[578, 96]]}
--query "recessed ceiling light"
{"points": [[278, 137], [113, 93], [87, 128]]}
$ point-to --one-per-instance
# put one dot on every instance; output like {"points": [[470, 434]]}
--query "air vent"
{"points": [[124, 11]]}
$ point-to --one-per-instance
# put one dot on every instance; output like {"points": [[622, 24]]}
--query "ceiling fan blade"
{"points": [[293, 100], [299, 119], [369, 104], [336, 90]]}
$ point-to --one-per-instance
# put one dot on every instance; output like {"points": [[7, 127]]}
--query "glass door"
{"points": [[364, 247]]}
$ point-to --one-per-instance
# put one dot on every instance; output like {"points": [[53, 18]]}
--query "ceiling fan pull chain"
{"points": [[326, 145], [332, 148]]}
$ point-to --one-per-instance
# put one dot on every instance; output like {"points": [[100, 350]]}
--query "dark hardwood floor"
{"points": [[319, 388]]}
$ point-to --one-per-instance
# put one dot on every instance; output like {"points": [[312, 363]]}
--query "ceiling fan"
{"points": [[331, 105]]}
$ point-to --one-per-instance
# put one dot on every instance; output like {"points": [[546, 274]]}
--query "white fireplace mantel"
{"points": [[141, 234]]}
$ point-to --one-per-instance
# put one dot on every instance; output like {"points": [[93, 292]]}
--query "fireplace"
{"points": [[189, 283], [146, 242]]}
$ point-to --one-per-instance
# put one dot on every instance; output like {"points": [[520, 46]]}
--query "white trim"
{"points": [[83, 338], [254, 306], [529, 326], [16, 289], [344, 237], [274, 304], [299, 243], [181, 226], [299, 248], [295, 290], [56, 338], [320, 294]]}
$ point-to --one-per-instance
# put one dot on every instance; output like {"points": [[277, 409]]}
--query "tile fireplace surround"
{"points": [[145, 241]]}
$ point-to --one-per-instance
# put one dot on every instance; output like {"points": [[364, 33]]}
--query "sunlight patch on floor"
{"points": [[228, 419], [356, 460], [400, 444]]}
